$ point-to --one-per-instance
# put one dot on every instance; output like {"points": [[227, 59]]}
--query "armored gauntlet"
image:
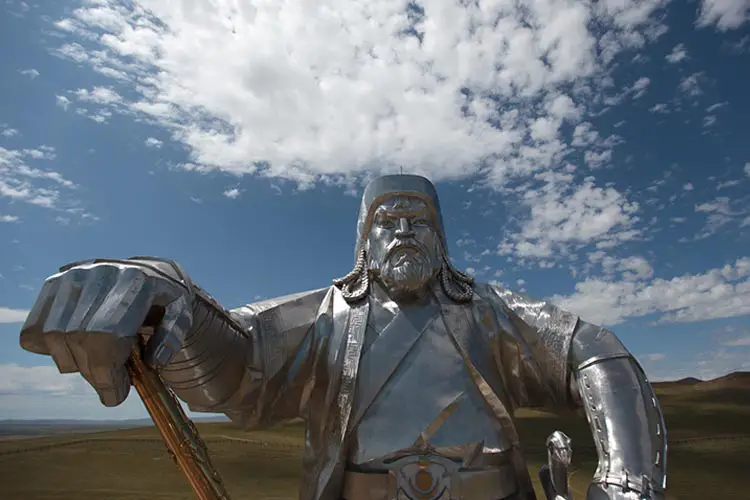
{"points": [[624, 415]]}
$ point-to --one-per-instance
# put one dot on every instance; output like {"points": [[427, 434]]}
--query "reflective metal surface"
{"points": [[554, 475], [404, 359]]}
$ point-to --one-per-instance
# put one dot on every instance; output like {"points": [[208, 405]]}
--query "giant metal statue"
{"points": [[406, 372]]}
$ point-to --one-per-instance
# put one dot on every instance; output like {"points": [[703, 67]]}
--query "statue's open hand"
{"points": [[87, 318]]}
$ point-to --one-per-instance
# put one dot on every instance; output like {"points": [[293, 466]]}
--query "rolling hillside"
{"points": [[706, 422]]}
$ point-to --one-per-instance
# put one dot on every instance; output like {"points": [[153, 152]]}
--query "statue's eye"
{"points": [[421, 221], [383, 221]]}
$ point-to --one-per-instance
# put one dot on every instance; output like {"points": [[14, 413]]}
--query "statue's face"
{"points": [[403, 247]]}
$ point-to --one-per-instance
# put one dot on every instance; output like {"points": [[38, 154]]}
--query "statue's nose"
{"points": [[404, 228]]}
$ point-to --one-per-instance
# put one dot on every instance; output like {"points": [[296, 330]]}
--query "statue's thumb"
{"points": [[169, 336]]}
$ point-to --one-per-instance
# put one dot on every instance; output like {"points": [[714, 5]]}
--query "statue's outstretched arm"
{"points": [[568, 362], [233, 361]]}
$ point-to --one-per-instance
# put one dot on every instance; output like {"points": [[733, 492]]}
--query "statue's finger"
{"points": [[99, 281], [32, 334], [65, 300], [126, 305], [101, 359], [58, 348], [63, 305]]}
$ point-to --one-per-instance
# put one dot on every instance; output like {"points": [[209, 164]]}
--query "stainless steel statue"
{"points": [[405, 370]]}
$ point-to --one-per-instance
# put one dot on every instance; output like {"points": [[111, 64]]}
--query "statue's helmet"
{"points": [[386, 187], [386, 190]]}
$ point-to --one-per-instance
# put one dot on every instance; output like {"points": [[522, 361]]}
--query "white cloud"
{"points": [[8, 315], [726, 184], [747, 169], [688, 187], [8, 132], [97, 115], [720, 212], [640, 86], [31, 73], [679, 53], [740, 46], [724, 14], [691, 85], [9, 218], [154, 143], [232, 193], [17, 379], [562, 214], [338, 88], [98, 95], [717, 293], [738, 342], [657, 356], [21, 182], [629, 269], [62, 101]]}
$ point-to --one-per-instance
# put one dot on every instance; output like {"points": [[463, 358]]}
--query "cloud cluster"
{"points": [[24, 180], [334, 89], [723, 211], [724, 14], [19, 181], [564, 216], [678, 54], [503, 93], [8, 315], [717, 293], [17, 379]]}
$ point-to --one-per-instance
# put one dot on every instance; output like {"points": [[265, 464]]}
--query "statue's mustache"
{"points": [[399, 245]]}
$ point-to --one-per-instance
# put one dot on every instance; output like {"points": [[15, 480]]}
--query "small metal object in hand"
{"points": [[554, 475]]}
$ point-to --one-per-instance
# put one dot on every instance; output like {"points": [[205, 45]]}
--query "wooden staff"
{"points": [[179, 433]]}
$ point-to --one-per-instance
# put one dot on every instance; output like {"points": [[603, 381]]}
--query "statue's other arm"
{"points": [[581, 364]]}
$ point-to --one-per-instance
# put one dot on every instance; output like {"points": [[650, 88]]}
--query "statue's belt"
{"points": [[430, 478]]}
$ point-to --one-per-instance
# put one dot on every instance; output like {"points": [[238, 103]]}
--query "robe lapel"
{"points": [[385, 354], [472, 343], [348, 329]]}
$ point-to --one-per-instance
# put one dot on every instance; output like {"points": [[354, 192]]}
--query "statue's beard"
{"points": [[406, 270]]}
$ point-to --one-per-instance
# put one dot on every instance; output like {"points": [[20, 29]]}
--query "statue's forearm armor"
{"points": [[216, 355], [622, 410], [214, 360]]}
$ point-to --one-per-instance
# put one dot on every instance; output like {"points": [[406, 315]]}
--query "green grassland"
{"points": [[709, 454]]}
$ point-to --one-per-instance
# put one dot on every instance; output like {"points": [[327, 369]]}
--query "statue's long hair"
{"points": [[355, 285]]}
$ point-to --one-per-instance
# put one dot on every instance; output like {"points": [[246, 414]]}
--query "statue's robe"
{"points": [[305, 360]]}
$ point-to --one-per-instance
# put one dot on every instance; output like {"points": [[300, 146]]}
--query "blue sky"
{"points": [[597, 156]]}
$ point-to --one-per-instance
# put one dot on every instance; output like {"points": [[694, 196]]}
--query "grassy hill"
{"points": [[709, 439]]}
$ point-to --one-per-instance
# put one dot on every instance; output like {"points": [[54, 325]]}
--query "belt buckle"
{"points": [[424, 477]]}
